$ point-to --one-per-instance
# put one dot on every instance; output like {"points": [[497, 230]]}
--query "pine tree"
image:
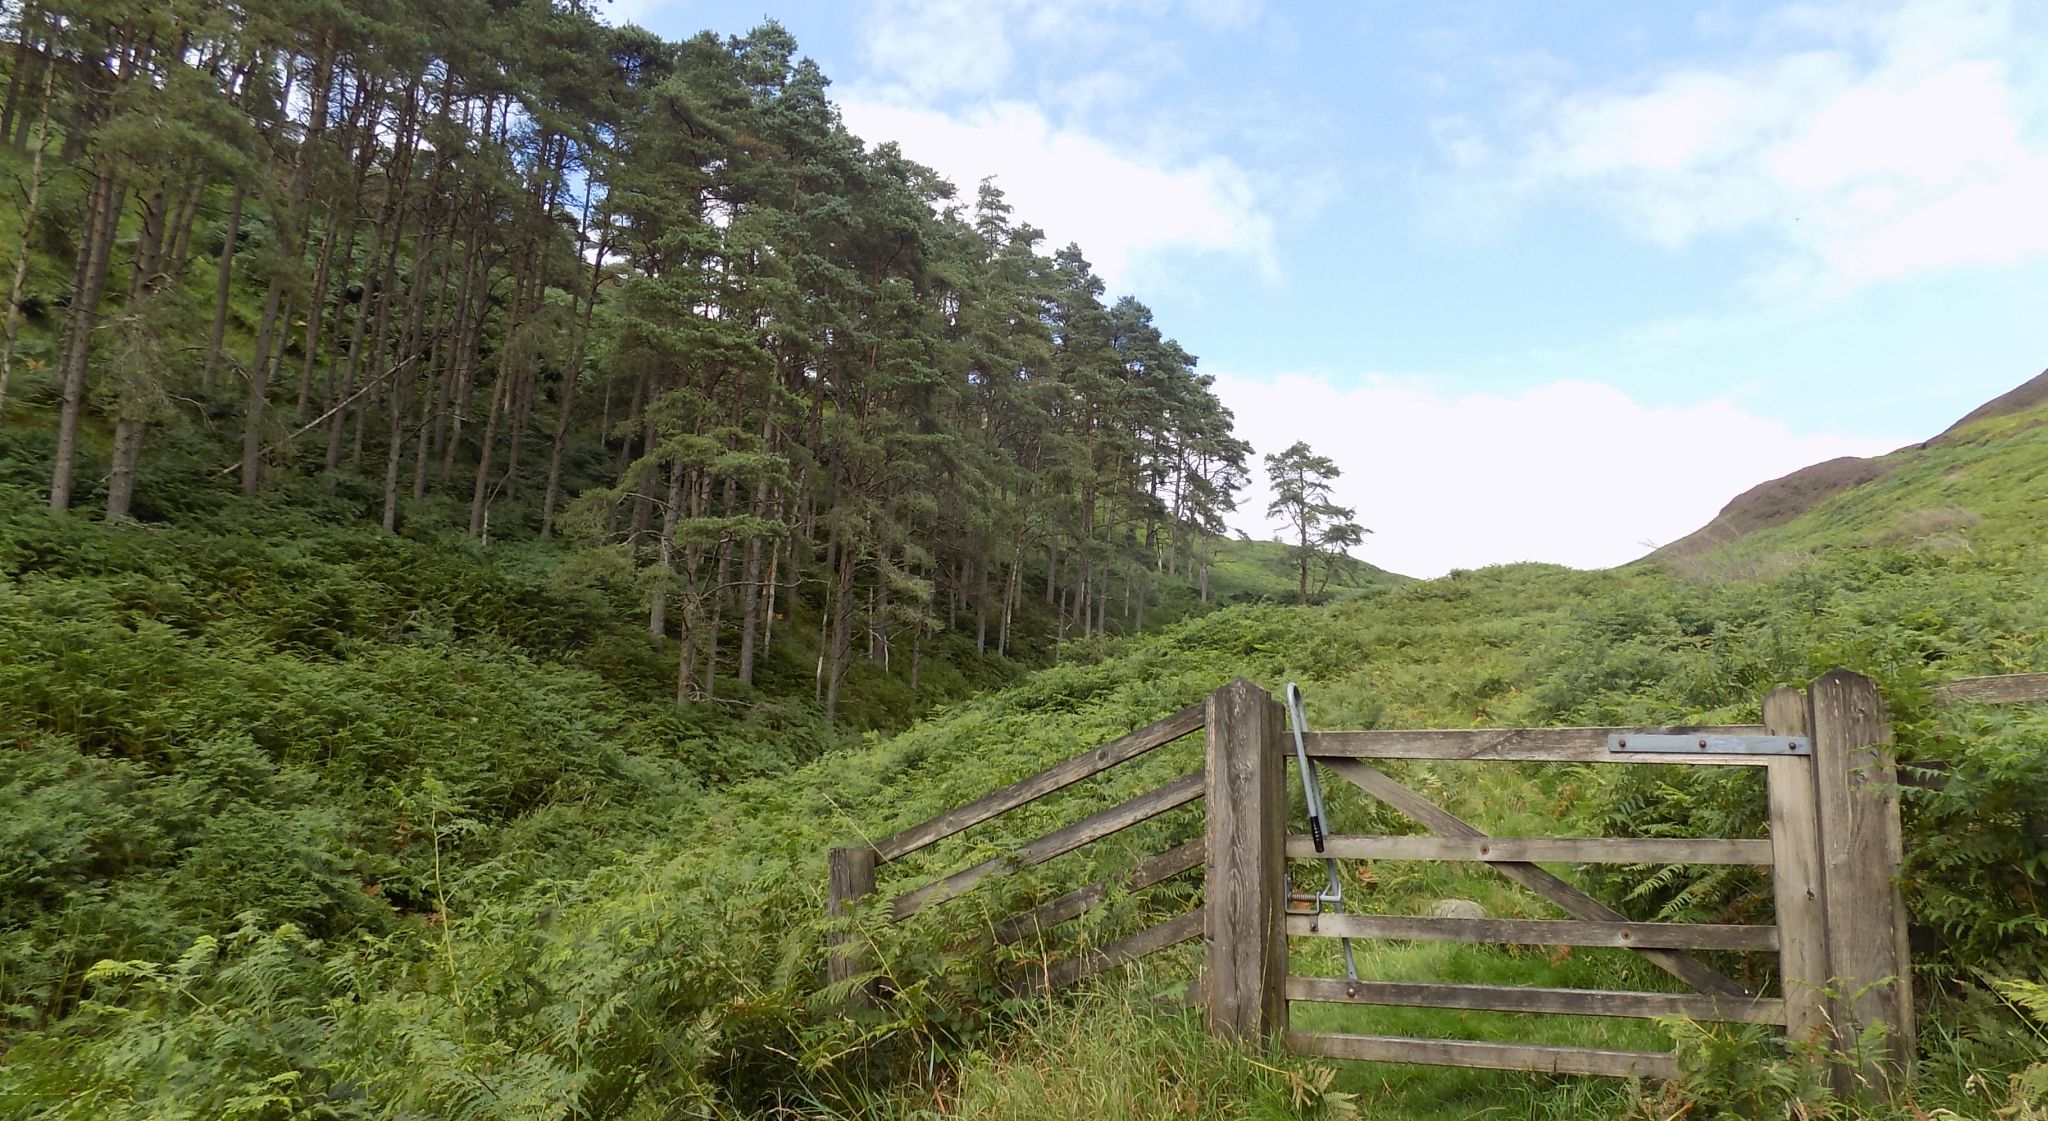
{"points": [[1322, 530]]}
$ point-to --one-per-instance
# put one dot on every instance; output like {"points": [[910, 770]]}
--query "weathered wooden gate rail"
{"points": [[1834, 851], [852, 870]]}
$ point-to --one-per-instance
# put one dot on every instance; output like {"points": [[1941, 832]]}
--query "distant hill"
{"points": [[1986, 474]]}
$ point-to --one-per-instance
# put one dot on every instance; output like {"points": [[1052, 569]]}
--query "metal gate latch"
{"points": [[1666, 744]]}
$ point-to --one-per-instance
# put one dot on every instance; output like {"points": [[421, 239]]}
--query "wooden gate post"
{"points": [[1796, 875], [850, 877], [1245, 890], [1862, 849]]}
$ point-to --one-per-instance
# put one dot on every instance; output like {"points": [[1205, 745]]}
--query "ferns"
{"points": [[364, 828]]}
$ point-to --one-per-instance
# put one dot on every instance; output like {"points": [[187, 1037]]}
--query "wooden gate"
{"points": [[1833, 852], [1832, 784]]}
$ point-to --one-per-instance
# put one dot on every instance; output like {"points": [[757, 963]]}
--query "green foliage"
{"points": [[1113, 1054], [306, 820]]}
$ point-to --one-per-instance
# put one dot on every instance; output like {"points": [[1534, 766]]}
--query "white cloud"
{"points": [[1574, 472], [1127, 211], [933, 47], [1132, 189], [1897, 139], [621, 12]]}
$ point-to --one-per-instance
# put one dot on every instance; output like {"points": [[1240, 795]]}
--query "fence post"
{"points": [[1862, 848], [850, 877], [1244, 937], [1796, 874]]}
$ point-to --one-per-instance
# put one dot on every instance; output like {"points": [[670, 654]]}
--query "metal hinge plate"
{"points": [[1710, 744]]}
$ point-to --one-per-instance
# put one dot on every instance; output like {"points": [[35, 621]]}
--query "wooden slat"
{"points": [[1565, 1002], [1560, 850], [1861, 850], [1244, 883], [1179, 792], [1538, 932], [1489, 1056], [1796, 874], [1574, 902], [1549, 1001], [1080, 901], [1088, 963], [1058, 777], [1523, 745], [2003, 689], [850, 877]]}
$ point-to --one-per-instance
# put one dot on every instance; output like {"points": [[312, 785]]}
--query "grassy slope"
{"points": [[1984, 480], [1255, 571], [663, 958], [1932, 571], [481, 871], [1993, 472]]}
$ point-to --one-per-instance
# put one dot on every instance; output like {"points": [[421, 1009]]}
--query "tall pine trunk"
{"points": [[571, 376], [28, 226], [222, 285], [95, 248], [257, 401], [501, 404], [137, 388], [316, 314]]}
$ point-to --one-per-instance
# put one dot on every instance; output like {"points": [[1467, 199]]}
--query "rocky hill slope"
{"points": [[1993, 461]]}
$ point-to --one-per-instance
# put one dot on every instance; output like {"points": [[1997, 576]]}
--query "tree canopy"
{"points": [[533, 274]]}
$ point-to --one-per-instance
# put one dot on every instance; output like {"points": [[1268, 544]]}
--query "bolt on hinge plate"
{"points": [[1709, 744]]}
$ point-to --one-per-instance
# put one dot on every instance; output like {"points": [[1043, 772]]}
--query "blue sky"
{"points": [[1550, 281]]}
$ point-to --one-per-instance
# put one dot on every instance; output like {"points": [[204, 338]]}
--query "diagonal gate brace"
{"points": [[1576, 903]]}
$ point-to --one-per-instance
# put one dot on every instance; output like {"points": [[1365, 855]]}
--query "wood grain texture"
{"points": [[850, 876], [1057, 777], [1557, 850], [2003, 689], [1144, 807], [1796, 874], [1862, 848], [1490, 1056], [1088, 963], [1080, 901], [1524, 745], [1244, 887], [1574, 902], [1537, 932], [1565, 1002]]}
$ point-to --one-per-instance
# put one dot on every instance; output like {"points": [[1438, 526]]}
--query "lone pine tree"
{"points": [[1323, 531]]}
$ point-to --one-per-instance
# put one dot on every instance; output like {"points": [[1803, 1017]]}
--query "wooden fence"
{"points": [[1834, 852]]}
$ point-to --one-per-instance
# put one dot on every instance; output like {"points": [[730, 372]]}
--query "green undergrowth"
{"points": [[338, 826]]}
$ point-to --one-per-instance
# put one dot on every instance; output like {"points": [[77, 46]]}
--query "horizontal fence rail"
{"points": [[1561, 1002], [1543, 882], [1059, 842], [1089, 962], [1525, 745], [2004, 689], [1833, 850], [853, 870], [1045, 916], [1538, 932], [1554, 850], [1485, 1056], [1059, 777]]}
